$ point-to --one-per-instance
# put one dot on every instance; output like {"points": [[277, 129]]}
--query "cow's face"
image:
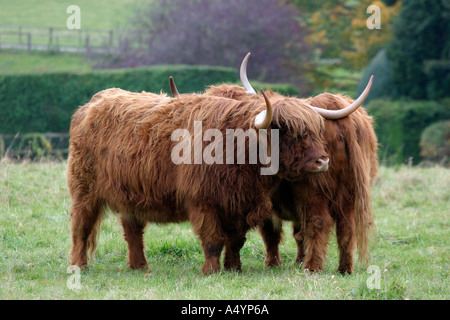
{"points": [[301, 143], [301, 155]]}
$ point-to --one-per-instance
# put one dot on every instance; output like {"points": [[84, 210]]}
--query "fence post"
{"points": [[50, 38], [80, 38], [87, 45], [110, 39], [29, 42]]}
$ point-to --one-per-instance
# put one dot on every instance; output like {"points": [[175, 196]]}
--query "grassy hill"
{"points": [[19, 61], [98, 14], [95, 15]]}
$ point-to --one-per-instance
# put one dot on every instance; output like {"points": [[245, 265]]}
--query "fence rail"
{"points": [[58, 39], [58, 141]]}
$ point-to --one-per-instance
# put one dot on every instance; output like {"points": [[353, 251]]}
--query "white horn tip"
{"points": [[366, 91], [243, 76], [259, 120]]}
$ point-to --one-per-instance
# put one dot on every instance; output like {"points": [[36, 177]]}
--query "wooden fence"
{"points": [[58, 141], [57, 39]]}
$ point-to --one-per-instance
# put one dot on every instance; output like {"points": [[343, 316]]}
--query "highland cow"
{"points": [[341, 195], [120, 156]]}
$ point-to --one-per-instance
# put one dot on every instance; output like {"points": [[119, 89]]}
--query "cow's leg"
{"points": [[212, 250], [345, 232], [134, 235], [206, 224], [235, 238], [233, 246], [317, 229], [298, 236], [85, 224], [271, 231]]}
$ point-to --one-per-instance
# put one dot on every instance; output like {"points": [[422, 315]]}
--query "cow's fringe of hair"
{"points": [[286, 114]]}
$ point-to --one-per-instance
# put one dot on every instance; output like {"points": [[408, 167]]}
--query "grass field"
{"points": [[95, 15], [98, 14], [19, 61], [411, 251]]}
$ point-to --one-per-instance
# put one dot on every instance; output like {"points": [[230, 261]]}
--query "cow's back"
{"points": [[115, 148]]}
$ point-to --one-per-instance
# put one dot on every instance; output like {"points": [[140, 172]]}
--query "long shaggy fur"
{"points": [[341, 195], [359, 161], [120, 157]]}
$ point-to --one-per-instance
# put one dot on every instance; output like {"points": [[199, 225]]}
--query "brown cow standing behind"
{"points": [[120, 157], [341, 195]]}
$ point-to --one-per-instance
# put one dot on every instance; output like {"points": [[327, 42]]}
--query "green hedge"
{"points": [[399, 124], [46, 102], [435, 143], [282, 88]]}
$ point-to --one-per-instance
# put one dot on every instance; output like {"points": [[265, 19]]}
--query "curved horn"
{"points": [[338, 114], [264, 118], [173, 87], [243, 75]]}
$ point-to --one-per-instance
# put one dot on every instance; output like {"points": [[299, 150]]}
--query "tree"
{"points": [[339, 29], [216, 32], [421, 43], [366, 43]]}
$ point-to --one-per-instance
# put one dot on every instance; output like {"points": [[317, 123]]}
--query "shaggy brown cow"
{"points": [[341, 195], [120, 156]]}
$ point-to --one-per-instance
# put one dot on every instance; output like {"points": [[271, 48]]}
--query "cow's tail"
{"points": [[364, 162]]}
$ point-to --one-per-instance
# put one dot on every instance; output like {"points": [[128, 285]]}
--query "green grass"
{"points": [[98, 14], [411, 208], [18, 61]]}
